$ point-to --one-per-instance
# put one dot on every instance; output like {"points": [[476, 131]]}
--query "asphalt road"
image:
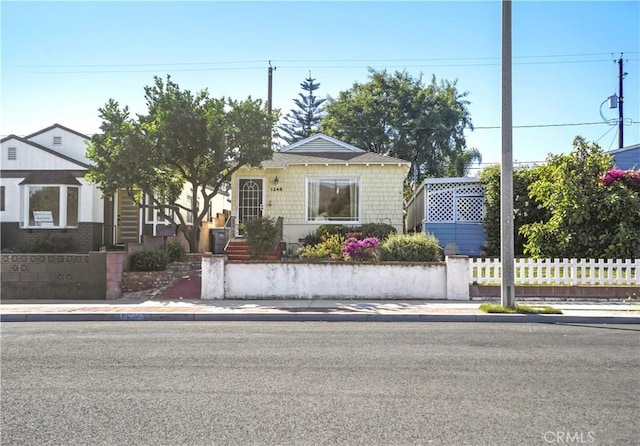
{"points": [[190, 383]]}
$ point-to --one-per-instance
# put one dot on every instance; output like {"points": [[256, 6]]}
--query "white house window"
{"points": [[189, 214], [153, 215], [12, 154], [57, 140], [51, 206], [333, 200]]}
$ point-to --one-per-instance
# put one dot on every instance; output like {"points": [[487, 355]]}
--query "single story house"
{"points": [[320, 181], [43, 192]]}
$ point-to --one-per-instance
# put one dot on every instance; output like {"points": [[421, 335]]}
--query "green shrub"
{"points": [[329, 246], [378, 230], [262, 235], [416, 247], [149, 260], [176, 252], [52, 244]]}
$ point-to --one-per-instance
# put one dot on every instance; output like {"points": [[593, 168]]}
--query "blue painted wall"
{"points": [[469, 237], [627, 159]]}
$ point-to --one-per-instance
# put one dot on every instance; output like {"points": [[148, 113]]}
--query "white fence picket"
{"points": [[558, 271]]}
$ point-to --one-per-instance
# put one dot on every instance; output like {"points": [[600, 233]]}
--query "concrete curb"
{"points": [[317, 317]]}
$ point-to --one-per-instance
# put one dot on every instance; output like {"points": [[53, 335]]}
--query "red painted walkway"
{"points": [[186, 288]]}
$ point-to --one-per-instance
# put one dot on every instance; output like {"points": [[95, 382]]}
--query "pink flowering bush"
{"points": [[629, 178], [360, 250]]}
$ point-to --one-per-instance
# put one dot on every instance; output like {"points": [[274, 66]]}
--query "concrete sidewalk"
{"points": [[307, 310]]}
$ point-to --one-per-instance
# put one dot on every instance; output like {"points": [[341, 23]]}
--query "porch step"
{"points": [[237, 249]]}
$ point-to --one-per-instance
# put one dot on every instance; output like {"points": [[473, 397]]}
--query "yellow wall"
{"points": [[380, 194]]}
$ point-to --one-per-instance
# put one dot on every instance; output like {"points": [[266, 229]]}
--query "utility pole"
{"points": [[621, 75], [507, 290], [270, 87]]}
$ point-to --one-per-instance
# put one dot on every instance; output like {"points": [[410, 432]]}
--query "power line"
{"points": [[100, 69], [264, 61], [630, 122]]}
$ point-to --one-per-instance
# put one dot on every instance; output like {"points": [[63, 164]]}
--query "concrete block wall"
{"points": [[54, 276], [297, 280]]}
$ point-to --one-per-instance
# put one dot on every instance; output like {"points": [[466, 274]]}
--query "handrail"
{"points": [[229, 229]]}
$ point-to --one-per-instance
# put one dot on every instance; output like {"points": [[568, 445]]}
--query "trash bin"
{"points": [[218, 240]]}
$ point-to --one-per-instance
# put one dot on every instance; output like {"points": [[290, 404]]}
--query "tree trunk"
{"points": [[193, 237]]}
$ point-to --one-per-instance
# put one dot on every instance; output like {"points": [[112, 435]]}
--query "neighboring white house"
{"points": [[321, 180], [43, 192]]}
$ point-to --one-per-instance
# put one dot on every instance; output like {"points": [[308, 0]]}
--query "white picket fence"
{"points": [[488, 271]]}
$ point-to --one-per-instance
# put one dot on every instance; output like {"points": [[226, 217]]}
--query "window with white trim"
{"points": [[333, 200], [50, 206], [153, 214], [189, 215]]}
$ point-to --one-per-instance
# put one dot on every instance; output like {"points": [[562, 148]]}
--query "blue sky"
{"points": [[61, 61]]}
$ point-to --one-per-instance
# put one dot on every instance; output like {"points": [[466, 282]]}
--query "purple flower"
{"points": [[354, 249]]}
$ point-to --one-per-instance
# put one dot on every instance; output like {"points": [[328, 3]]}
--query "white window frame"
{"points": [[351, 178], [156, 219], [62, 210]]}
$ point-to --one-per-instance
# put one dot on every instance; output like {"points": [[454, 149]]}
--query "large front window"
{"points": [[52, 206], [333, 199]]}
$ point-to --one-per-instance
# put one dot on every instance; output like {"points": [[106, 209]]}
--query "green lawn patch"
{"points": [[522, 309]]}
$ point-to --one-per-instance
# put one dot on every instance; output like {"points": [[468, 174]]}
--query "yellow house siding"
{"points": [[380, 193]]}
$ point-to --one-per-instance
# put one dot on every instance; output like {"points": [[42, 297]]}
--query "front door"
{"points": [[128, 219], [250, 199]]}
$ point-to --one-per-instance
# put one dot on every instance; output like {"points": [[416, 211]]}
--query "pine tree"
{"points": [[302, 122]]}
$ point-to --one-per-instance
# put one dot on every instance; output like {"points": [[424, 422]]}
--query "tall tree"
{"points": [[591, 214], [398, 115], [302, 122], [184, 140]]}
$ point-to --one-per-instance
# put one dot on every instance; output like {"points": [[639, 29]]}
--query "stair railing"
{"points": [[229, 229]]}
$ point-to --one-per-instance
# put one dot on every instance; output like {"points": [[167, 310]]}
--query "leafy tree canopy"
{"points": [[398, 115], [589, 216], [303, 121], [526, 210], [185, 140]]}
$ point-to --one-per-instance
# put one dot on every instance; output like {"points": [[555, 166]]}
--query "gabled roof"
{"points": [[321, 149], [46, 149], [61, 127], [327, 144]]}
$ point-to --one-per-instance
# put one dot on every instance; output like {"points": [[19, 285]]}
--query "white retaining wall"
{"points": [[339, 280]]}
